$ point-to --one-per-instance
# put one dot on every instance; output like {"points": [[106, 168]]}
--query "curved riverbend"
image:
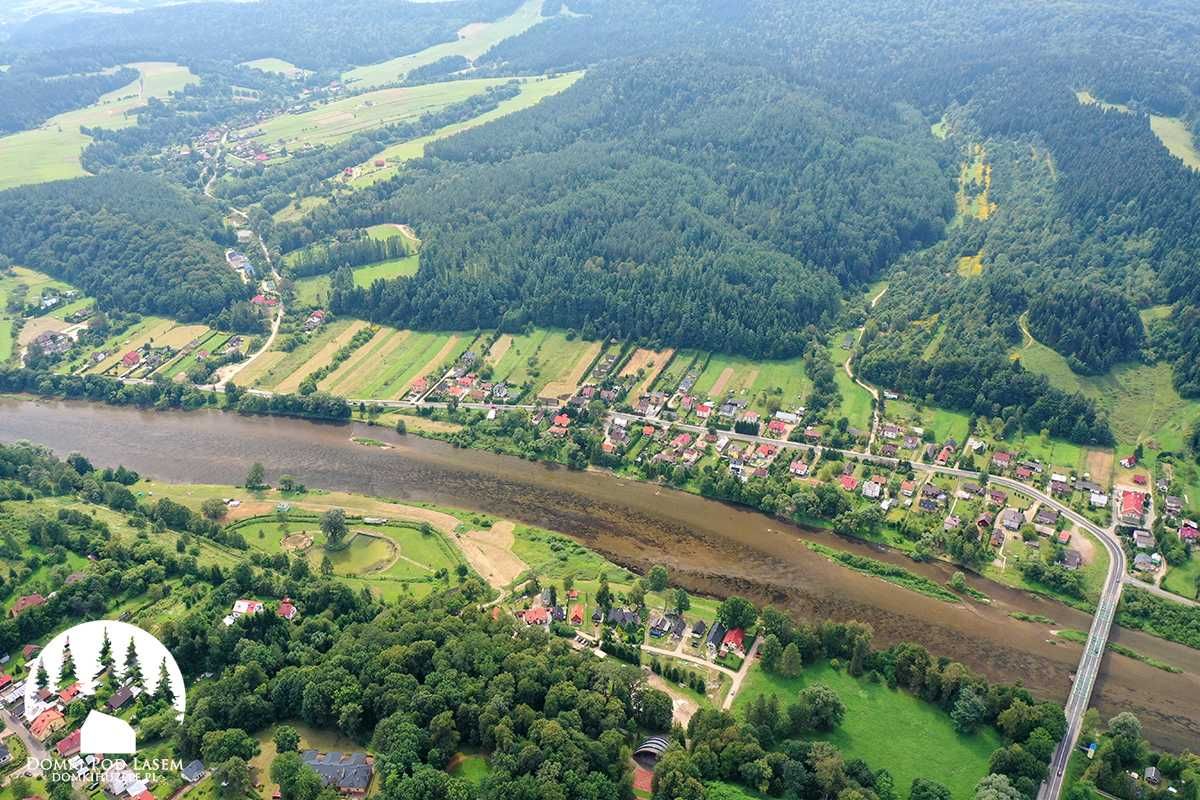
{"points": [[711, 547]]}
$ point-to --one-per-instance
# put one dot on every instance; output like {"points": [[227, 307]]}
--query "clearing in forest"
{"points": [[971, 266], [473, 41], [974, 185], [277, 66]]}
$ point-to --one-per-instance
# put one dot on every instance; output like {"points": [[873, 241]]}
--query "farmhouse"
{"points": [[1142, 540], [1002, 459], [1072, 559], [798, 468], [242, 608], [26, 602], [1173, 505], [1189, 532], [734, 641], [131, 359], [1098, 500], [287, 609], [848, 482], [1046, 516], [1012, 519]]}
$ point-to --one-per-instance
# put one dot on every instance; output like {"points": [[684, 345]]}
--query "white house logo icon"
{"points": [[106, 734], [118, 668]]}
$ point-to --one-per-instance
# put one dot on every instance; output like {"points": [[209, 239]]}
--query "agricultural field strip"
{"points": [[319, 359], [357, 369]]}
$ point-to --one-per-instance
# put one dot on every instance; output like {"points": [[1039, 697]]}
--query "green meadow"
{"points": [[856, 401], [314, 291], [875, 715], [51, 152]]}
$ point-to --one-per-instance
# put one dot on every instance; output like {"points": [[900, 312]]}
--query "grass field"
{"points": [[52, 151], [533, 91], [970, 266], [1182, 579], [974, 186], [874, 715], [1140, 399], [754, 381], [1177, 138], [650, 363], [320, 739], [471, 767], [473, 41], [318, 348], [277, 66], [314, 291], [156, 331], [542, 358], [333, 122], [942, 422], [856, 401], [211, 344], [420, 355], [1171, 131], [360, 366]]}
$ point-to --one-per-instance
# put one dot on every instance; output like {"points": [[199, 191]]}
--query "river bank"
{"points": [[711, 547]]}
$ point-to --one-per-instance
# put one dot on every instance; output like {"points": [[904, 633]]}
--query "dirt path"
{"points": [[319, 359], [490, 553], [408, 233], [718, 388], [567, 384], [682, 706]]}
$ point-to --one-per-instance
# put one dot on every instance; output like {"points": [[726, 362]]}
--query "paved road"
{"points": [[1161, 592]]}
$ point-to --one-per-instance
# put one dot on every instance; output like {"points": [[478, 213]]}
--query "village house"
{"points": [[53, 343], [287, 609], [1133, 508], [1012, 519], [1143, 540], [798, 468], [1173, 505], [911, 441], [119, 698], [716, 635], [871, 490], [69, 744], [997, 537], [849, 482], [1046, 516], [997, 497], [348, 773], [26, 602], [1098, 500], [986, 520], [1189, 532], [889, 451], [698, 630], [952, 523], [46, 723], [908, 488], [734, 642], [242, 608], [1144, 563]]}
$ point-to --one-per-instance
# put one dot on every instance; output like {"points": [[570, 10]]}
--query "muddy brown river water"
{"points": [[711, 547]]}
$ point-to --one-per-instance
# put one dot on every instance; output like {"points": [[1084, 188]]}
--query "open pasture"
{"points": [[757, 382], [314, 291], [874, 713], [336, 121], [545, 360], [51, 152], [315, 351], [420, 355], [473, 41]]}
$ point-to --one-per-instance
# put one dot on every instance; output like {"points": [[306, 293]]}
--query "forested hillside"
{"points": [[311, 33], [27, 100], [1093, 326], [679, 201], [133, 243]]}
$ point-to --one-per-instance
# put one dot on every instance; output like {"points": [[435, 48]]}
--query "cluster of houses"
{"points": [[544, 609], [53, 298], [53, 343], [246, 608], [461, 383]]}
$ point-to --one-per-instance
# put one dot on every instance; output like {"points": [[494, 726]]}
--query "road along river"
{"points": [[711, 547]]}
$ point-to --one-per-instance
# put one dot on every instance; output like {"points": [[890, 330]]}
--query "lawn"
{"points": [[277, 66], [324, 741], [943, 422], [330, 123], [1140, 399], [1182, 579], [533, 91], [51, 152], [471, 767], [473, 41], [678, 368], [212, 344], [876, 716]]}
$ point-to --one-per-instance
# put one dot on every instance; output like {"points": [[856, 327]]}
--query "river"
{"points": [[710, 547]]}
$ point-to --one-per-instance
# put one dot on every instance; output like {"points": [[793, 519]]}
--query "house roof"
{"points": [[120, 697], [28, 601], [1133, 503], [734, 638], [69, 745], [45, 721], [849, 482]]}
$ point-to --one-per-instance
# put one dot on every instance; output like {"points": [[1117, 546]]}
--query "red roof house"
{"points": [[286, 609], [23, 603], [577, 614], [131, 358], [536, 616], [562, 420], [69, 693], [69, 745], [47, 723], [5, 680], [849, 482], [647, 430], [734, 640], [765, 450]]}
